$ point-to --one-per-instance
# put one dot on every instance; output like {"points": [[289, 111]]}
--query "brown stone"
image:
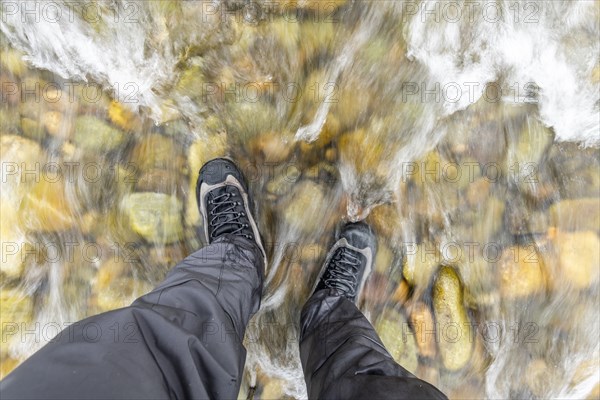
{"points": [[421, 320], [274, 147]]}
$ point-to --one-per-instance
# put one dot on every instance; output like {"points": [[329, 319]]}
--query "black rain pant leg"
{"points": [[344, 358], [183, 340]]}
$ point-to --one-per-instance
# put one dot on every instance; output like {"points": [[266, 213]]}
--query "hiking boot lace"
{"points": [[225, 216], [342, 272]]}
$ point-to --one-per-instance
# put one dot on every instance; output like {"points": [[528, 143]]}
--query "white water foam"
{"points": [[124, 46], [550, 44]]}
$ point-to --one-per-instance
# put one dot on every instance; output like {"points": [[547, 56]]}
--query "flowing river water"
{"points": [[465, 132]]}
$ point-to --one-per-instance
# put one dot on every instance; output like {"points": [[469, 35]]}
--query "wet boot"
{"points": [[342, 355]]}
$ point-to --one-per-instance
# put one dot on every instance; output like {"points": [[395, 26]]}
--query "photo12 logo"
{"points": [[470, 11], [54, 12]]}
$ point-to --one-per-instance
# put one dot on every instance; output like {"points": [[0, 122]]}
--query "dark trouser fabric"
{"points": [[183, 340], [344, 358]]}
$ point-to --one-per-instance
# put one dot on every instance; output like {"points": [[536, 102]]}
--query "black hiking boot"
{"points": [[222, 197], [349, 262]]}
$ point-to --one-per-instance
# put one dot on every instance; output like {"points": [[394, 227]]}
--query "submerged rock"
{"points": [[283, 182], [579, 257], [274, 147], [156, 151], [521, 272], [32, 129], [420, 263], [576, 214], [18, 156], [421, 320], [46, 208], [398, 339], [521, 220], [529, 147], [114, 288], [124, 118], [385, 219], [93, 134], [352, 150], [57, 125], [316, 39], [154, 216], [383, 258], [305, 207], [7, 365], [454, 333], [16, 310], [158, 180], [246, 120], [9, 121], [12, 61], [538, 376]]}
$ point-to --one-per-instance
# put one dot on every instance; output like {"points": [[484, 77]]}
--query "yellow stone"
{"points": [[521, 272], [12, 60], [454, 333], [46, 208], [353, 148], [383, 258], [17, 155], [113, 287], [16, 309], [7, 365], [579, 257], [154, 216], [123, 117], [95, 135]]}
